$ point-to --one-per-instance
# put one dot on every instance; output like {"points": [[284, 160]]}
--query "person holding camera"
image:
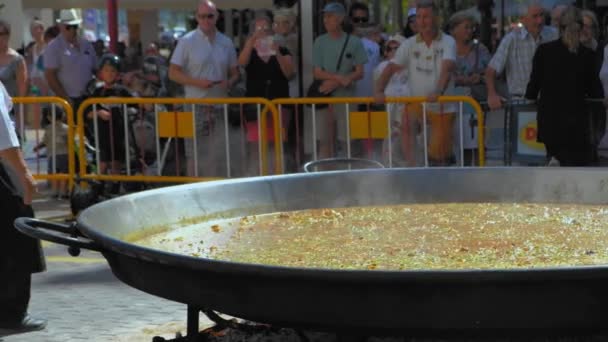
{"points": [[268, 67]]}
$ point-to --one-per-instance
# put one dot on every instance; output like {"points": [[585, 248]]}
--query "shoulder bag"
{"points": [[313, 89]]}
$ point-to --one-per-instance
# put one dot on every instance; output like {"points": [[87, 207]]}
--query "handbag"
{"points": [[313, 89]]}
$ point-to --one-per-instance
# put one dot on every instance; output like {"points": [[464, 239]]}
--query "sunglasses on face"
{"points": [[4, 33], [203, 16], [392, 48], [71, 27], [360, 20]]}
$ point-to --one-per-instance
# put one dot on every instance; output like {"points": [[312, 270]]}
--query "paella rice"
{"points": [[405, 237]]}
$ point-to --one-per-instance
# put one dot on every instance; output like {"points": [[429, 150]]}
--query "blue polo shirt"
{"points": [[75, 65]]}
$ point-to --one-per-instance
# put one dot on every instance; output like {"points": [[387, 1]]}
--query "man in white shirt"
{"points": [[429, 58], [20, 255], [205, 63]]}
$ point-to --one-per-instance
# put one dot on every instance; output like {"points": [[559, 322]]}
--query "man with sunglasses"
{"points": [[69, 61], [359, 14], [205, 63]]}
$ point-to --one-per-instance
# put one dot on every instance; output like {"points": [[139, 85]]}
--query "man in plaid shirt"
{"points": [[515, 53]]}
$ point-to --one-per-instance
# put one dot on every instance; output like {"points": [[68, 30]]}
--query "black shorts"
{"points": [[111, 142], [61, 164], [110, 150]]}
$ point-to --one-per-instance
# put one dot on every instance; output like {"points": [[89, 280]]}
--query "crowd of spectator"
{"points": [[354, 58]]}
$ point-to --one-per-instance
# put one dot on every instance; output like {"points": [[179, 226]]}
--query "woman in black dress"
{"points": [[564, 74], [268, 69]]}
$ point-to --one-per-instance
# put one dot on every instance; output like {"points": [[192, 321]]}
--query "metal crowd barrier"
{"points": [[186, 119], [461, 100], [19, 103], [520, 113]]}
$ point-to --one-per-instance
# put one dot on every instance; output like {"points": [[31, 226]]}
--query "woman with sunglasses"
{"points": [[397, 86], [410, 27]]}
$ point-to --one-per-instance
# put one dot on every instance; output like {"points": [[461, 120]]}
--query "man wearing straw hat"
{"points": [[69, 60]]}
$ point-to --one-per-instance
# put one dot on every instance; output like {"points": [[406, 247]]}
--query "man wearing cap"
{"points": [[339, 82], [69, 61]]}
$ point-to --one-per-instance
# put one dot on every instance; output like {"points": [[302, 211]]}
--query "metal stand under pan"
{"points": [[233, 330]]}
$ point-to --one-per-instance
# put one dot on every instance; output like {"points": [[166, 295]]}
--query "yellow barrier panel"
{"points": [[404, 100], [267, 105], [175, 125], [368, 125], [70, 122]]}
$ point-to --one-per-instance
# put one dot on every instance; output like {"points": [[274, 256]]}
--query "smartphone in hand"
{"points": [[264, 47]]}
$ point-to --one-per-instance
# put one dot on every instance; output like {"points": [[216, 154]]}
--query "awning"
{"points": [[145, 4]]}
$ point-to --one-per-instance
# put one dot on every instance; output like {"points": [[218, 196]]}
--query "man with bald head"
{"points": [[205, 63], [515, 52]]}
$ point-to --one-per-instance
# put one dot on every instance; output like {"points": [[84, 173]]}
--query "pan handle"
{"points": [[59, 233], [358, 163]]}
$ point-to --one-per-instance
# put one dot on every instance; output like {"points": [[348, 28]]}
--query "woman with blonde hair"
{"points": [[590, 30], [564, 121]]}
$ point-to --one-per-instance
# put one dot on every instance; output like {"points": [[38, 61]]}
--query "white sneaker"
{"points": [[553, 162]]}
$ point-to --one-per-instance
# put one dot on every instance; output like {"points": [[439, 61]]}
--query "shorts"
{"points": [[111, 143], [330, 125], [440, 125], [61, 164]]}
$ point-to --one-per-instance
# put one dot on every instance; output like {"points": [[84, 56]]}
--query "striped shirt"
{"points": [[514, 56]]}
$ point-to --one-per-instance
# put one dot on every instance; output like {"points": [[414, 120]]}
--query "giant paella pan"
{"points": [[417, 250]]}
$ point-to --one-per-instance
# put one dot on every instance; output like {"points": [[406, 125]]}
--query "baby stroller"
{"points": [[140, 137]]}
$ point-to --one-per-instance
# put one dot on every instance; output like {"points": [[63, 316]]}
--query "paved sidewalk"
{"points": [[83, 301]]}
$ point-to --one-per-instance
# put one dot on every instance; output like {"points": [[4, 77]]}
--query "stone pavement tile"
{"points": [[86, 302], [46, 207]]}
